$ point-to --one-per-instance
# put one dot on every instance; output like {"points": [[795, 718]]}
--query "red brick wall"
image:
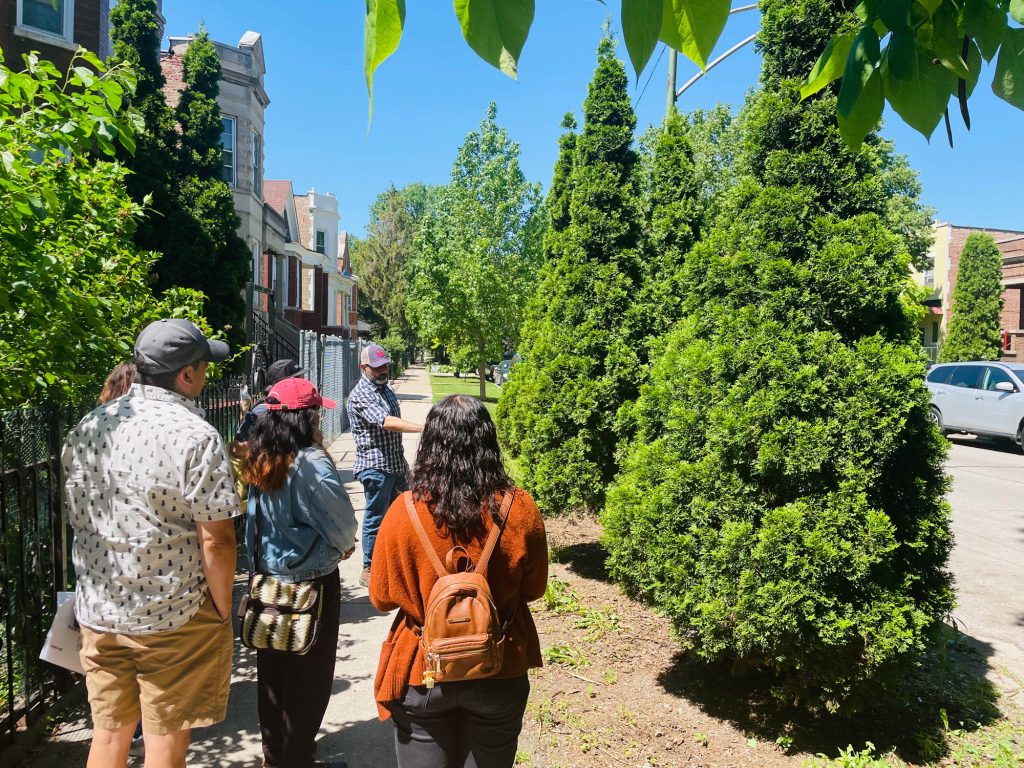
{"points": [[89, 18]]}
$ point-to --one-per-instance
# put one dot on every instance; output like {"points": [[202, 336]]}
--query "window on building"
{"points": [[52, 17], [257, 164], [321, 241], [227, 144], [286, 265], [348, 306], [308, 286]]}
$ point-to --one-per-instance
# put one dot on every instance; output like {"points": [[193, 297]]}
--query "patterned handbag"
{"points": [[279, 615]]}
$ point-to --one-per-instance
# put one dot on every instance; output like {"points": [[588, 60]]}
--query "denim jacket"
{"points": [[305, 525]]}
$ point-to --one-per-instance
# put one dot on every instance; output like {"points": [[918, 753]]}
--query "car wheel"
{"points": [[1019, 440], [936, 418]]}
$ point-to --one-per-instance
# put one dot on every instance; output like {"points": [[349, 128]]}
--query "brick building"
{"points": [[312, 281], [54, 28], [940, 277]]}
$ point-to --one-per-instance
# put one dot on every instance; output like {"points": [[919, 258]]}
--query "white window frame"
{"points": [[234, 150], [45, 35], [320, 247], [257, 164], [348, 307], [286, 270]]}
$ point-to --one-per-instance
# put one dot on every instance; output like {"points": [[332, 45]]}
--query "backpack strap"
{"points": [[496, 531], [418, 527]]}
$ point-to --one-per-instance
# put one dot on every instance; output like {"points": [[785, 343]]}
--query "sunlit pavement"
{"points": [[988, 557]]}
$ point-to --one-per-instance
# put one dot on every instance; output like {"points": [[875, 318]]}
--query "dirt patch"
{"points": [[616, 690]]}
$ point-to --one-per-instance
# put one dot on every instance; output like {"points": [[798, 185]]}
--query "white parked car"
{"points": [[981, 398]]}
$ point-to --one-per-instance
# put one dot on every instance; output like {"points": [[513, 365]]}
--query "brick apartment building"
{"points": [[54, 28], [944, 264]]}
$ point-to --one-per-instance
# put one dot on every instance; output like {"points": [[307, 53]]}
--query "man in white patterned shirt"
{"points": [[151, 497]]}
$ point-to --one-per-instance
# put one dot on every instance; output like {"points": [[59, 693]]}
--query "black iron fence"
{"points": [[35, 549], [35, 556]]}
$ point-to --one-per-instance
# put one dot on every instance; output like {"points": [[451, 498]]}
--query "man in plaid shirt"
{"points": [[377, 426]]}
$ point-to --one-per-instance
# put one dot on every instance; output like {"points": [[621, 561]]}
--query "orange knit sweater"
{"points": [[401, 577]]}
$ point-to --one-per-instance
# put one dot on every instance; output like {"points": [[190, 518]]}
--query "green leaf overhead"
{"points": [[865, 114], [641, 26], [1017, 10], [1008, 83], [692, 27], [922, 99], [860, 66], [384, 22], [830, 64], [496, 30], [983, 20]]}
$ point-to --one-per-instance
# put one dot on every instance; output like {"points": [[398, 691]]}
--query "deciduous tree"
{"points": [[383, 258], [478, 251], [74, 291]]}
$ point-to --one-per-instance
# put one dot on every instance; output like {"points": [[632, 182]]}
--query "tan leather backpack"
{"points": [[462, 636]]}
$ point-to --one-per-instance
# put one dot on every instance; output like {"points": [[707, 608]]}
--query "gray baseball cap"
{"points": [[374, 356], [172, 343]]}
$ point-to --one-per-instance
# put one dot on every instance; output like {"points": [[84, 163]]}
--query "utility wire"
{"points": [[653, 70]]}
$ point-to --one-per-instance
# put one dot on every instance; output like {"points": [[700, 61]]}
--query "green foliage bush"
{"points": [[73, 289], [974, 331], [558, 411], [782, 500]]}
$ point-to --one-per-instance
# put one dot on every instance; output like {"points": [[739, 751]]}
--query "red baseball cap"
{"points": [[296, 394]]}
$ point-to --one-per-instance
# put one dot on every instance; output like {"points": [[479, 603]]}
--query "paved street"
{"points": [[988, 559]]}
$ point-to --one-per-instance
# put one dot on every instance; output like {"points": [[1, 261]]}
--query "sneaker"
{"points": [[364, 578], [137, 748]]}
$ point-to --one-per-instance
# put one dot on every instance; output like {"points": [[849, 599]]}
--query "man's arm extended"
{"points": [[218, 551], [395, 424]]}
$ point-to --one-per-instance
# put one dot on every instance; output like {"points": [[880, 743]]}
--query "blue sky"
{"points": [[434, 90]]}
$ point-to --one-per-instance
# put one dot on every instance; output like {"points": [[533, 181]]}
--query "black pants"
{"points": [[294, 690], [461, 725]]}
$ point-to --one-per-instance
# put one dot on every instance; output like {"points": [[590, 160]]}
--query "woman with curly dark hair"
{"points": [[306, 526], [460, 494]]}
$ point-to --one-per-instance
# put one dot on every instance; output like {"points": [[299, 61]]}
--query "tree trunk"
{"points": [[481, 369]]}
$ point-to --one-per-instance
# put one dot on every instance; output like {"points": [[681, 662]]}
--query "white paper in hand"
{"points": [[64, 640]]}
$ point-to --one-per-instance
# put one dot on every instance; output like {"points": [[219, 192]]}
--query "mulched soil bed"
{"points": [[616, 690]]}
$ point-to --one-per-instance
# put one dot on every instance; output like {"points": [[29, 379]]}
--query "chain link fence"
{"points": [[333, 365]]}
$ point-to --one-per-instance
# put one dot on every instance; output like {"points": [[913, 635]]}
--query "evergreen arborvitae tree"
{"points": [[136, 40], [671, 213], [191, 217], [205, 251], [512, 418], [576, 368], [198, 112], [974, 331], [782, 501]]}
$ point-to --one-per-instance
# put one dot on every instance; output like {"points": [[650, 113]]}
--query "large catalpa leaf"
{"points": [[384, 22], [692, 27], [496, 30]]}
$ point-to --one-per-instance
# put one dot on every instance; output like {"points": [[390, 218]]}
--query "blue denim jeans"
{"points": [[380, 489]]}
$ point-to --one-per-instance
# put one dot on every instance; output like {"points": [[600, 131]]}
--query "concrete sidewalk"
{"points": [[351, 730]]}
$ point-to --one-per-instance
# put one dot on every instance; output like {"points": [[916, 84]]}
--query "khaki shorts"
{"points": [[171, 680]]}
